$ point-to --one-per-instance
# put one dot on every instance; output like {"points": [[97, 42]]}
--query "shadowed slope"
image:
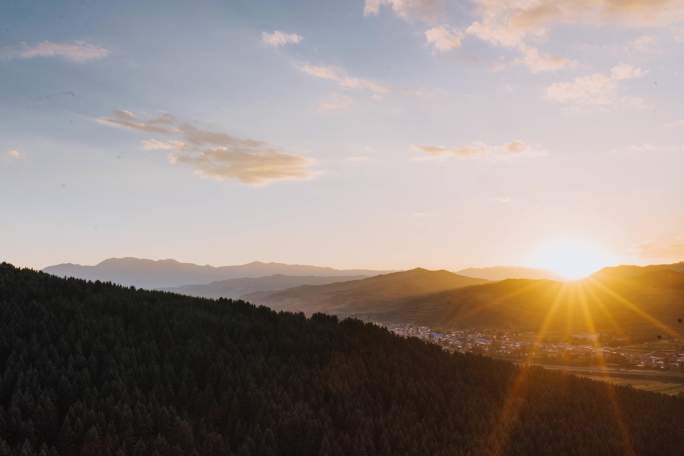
{"points": [[361, 296], [496, 273], [237, 288]]}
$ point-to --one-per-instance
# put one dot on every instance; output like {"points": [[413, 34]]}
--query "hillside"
{"points": [[154, 274], [496, 273], [96, 369], [359, 296], [632, 301], [237, 288]]}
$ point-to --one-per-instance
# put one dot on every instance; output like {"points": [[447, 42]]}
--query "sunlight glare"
{"points": [[571, 259]]}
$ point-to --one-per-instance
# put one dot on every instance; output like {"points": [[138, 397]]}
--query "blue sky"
{"points": [[377, 133]]}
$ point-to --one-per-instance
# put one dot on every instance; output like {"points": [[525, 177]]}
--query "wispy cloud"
{"points": [[76, 51], [537, 62], [443, 39], [156, 144], [480, 150], [340, 76], [278, 38], [595, 89], [335, 102], [406, 9], [215, 154], [120, 118]]}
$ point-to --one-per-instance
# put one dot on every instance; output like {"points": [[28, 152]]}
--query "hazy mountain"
{"points": [[358, 296], [236, 288], [494, 273], [628, 300], [146, 273]]}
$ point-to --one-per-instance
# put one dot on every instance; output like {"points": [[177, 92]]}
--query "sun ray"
{"points": [[598, 351], [534, 284], [634, 308], [599, 304], [498, 438]]}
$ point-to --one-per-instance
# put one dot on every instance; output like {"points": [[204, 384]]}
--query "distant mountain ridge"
{"points": [[495, 273], [364, 295], [145, 273], [632, 301], [170, 273], [237, 288]]}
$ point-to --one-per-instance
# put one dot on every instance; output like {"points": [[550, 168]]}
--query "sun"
{"points": [[571, 259]]}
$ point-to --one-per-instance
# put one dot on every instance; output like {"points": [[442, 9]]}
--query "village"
{"points": [[576, 350]]}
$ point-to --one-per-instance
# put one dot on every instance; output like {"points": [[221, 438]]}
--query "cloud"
{"points": [[14, 154], [480, 150], [156, 144], [278, 38], [164, 123], [406, 9], [510, 22], [443, 39], [76, 51], [249, 165], [340, 76], [335, 102], [215, 154], [595, 89], [538, 62]]}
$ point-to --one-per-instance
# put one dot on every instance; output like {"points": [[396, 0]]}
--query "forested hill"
{"points": [[98, 369]]}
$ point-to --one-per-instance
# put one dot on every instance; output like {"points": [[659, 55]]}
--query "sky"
{"points": [[380, 133]]}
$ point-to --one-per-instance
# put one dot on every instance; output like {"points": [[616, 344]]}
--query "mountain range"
{"points": [[239, 280], [237, 288], [634, 301], [629, 301], [358, 297], [508, 272], [155, 274]]}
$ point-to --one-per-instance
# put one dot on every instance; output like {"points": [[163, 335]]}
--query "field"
{"points": [[671, 383]]}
